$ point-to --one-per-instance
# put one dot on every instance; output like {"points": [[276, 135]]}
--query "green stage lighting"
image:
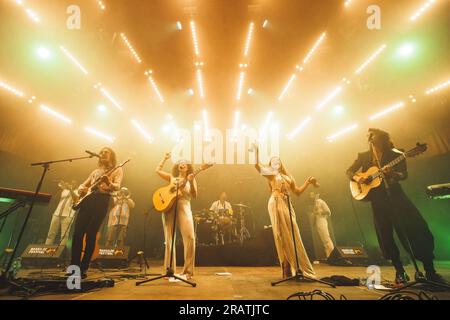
{"points": [[406, 50], [44, 53]]}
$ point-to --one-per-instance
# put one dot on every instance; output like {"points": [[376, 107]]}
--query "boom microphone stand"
{"points": [[419, 278], [5, 277], [298, 272], [170, 273]]}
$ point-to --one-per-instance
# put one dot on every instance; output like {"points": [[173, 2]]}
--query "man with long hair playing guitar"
{"points": [[392, 209], [93, 208], [182, 175]]}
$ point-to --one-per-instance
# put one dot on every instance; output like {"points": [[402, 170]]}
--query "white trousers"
{"points": [[185, 222], [324, 234], [59, 224]]}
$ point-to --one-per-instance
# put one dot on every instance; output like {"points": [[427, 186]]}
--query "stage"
{"points": [[244, 283]]}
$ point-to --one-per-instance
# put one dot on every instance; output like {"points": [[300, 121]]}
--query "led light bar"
{"points": [[286, 87], [55, 114], [421, 10], [155, 89], [194, 38], [330, 97], [300, 127], [386, 111], [240, 85], [314, 48], [439, 87], [130, 47], [99, 134], [142, 130], [370, 59], [11, 89], [74, 60], [342, 132], [200, 83], [249, 39]]}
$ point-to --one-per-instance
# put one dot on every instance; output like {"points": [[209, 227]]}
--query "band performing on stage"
{"points": [[375, 176]]}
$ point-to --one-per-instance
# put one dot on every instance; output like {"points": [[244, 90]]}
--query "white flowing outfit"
{"points": [[282, 230], [62, 219], [185, 222], [321, 214]]}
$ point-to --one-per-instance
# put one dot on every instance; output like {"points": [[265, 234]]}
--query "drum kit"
{"points": [[222, 227]]}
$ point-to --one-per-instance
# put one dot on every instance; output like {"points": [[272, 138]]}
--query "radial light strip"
{"points": [[286, 87], [342, 132], [155, 89], [370, 59], [74, 60], [55, 114], [200, 83], [386, 111], [130, 47], [110, 98], [314, 48], [330, 97], [249, 38], [422, 9], [439, 87], [10, 89], [142, 130], [99, 134], [240, 85], [195, 38], [299, 128], [30, 13]]}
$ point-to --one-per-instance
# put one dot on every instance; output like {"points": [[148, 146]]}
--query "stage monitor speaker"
{"points": [[113, 257], [348, 256], [42, 255]]}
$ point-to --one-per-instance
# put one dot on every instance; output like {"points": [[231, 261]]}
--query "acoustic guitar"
{"points": [[373, 175], [164, 198]]}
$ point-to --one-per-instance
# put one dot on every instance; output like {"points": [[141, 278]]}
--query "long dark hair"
{"points": [[113, 158], [386, 140], [176, 172]]}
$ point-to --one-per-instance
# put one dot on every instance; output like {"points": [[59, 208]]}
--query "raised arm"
{"points": [[298, 190], [257, 165], [159, 168]]}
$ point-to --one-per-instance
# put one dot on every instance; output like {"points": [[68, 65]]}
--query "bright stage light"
{"points": [[200, 83], [108, 96], [421, 10], [330, 97], [55, 114], [102, 108], [194, 38], [299, 128], [155, 89], [130, 47], [142, 130], [286, 87], [240, 85], [191, 92], [99, 134], [342, 132], [347, 3], [370, 59], [31, 100], [44, 53], [11, 89], [101, 5], [439, 87], [249, 38], [250, 91], [406, 50], [73, 59], [338, 109], [386, 111], [179, 26], [265, 23], [314, 48]]}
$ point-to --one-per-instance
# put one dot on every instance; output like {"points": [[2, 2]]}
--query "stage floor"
{"points": [[244, 283]]}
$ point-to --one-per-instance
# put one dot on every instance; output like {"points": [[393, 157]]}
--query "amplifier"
{"points": [[113, 257], [42, 255], [348, 256]]}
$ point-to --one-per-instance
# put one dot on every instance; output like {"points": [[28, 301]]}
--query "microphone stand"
{"points": [[170, 273], [5, 277], [299, 276], [419, 278]]}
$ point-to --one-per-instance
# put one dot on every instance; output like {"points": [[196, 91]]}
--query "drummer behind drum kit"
{"points": [[222, 228]]}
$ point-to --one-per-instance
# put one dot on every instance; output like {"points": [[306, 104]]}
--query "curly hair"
{"points": [[113, 159], [176, 171], [385, 137]]}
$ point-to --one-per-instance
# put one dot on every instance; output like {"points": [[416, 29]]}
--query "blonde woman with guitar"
{"points": [[281, 184], [182, 179]]}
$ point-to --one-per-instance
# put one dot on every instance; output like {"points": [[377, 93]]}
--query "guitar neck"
{"points": [[391, 164]]}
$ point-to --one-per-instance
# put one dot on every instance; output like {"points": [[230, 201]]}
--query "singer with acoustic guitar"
{"points": [[183, 176], [392, 209], [95, 194]]}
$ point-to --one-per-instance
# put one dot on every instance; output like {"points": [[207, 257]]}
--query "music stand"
{"points": [[5, 277], [170, 273]]}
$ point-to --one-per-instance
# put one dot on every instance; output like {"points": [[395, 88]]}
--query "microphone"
{"points": [[92, 154]]}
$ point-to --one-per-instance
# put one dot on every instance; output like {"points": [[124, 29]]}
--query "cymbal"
{"points": [[240, 205]]}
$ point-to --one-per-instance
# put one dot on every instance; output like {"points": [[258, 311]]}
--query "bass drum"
{"points": [[206, 232]]}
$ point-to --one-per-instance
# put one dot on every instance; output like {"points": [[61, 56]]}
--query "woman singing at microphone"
{"points": [[281, 183]]}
